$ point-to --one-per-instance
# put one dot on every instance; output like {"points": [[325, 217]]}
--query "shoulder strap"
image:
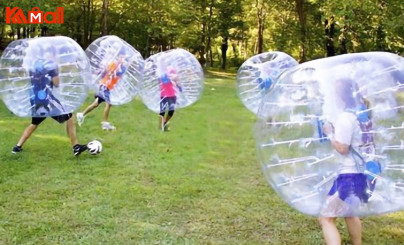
{"points": [[359, 165]]}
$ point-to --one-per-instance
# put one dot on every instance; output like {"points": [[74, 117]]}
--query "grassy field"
{"points": [[198, 184]]}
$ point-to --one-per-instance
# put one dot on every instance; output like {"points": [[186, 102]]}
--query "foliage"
{"points": [[201, 25]]}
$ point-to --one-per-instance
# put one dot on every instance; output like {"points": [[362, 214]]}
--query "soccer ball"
{"points": [[94, 147]]}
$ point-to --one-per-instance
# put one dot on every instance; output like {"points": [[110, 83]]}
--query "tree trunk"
{"points": [[12, 33], [302, 21], [261, 19], [343, 41], [235, 51], [224, 47], [105, 17], [24, 32], [209, 43], [380, 32], [202, 59], [78, 33], [3, 27], [44, 31], [329, 35], [92, 21], [18, 32], [87, 27], [86, 14]]}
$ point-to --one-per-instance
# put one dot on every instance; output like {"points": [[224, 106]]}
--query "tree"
{"points": [[329, 35], [228, 10], [300, 10], [105, 17], [224, 47], [261, 15], [225, 32]]}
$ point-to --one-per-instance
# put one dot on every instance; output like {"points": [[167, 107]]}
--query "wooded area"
{"points": [[224, 32]]}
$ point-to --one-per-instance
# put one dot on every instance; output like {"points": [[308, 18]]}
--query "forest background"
{"points": [[223, 33]]}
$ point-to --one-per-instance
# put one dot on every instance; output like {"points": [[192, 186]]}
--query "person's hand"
{"points": [[173, 77], [328, 128]]}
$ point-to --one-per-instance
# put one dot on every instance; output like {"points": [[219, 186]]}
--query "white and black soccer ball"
{"points": [[94, 147]]}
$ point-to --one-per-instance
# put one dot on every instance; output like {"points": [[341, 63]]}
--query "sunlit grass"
{"points": [[198, 184]]}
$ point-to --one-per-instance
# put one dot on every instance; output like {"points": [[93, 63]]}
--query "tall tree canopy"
{"points": [[224, 33]]}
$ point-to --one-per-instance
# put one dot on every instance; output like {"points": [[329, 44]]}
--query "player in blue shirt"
{"points": [[44, 77]]}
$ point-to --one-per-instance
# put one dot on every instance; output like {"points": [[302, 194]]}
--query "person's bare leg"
{"points": [[169, 116], [330, 231], [71, 131], [161, 122], [27, 133], [106, 112], [91, 107], [354, 226]]}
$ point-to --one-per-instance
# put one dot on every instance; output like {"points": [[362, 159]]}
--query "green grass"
{"points": [[198, 184]]}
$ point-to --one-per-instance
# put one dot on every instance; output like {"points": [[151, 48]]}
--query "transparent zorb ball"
{"points": [[173, 73], [117, 69], [361, 95], [46, 76], [257, 75]]}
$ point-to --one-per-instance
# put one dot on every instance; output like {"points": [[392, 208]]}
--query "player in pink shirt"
{"points": [[168, 85]]}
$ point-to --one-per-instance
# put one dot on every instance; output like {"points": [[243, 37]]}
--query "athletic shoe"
{"points": [[107, 126], [78, 149], [80, 118], [16, 149], [165, 127]]}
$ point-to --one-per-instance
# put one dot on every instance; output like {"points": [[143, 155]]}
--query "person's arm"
{"points": [[121, 70], [174, 80], [56, 81], [177, 85], [55, 78], [174, 83], [340, 147], [53, 72]]}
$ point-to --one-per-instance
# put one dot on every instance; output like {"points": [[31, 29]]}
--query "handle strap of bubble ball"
{"points": [[360, 167], [365, 165]]}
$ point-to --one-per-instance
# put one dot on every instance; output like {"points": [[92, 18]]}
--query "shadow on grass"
{"points": [[215, 73]]}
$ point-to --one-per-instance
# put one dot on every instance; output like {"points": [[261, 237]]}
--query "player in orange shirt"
{"points": [[110, 77]]}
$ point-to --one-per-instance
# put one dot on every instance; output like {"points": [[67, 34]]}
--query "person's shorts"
{"points": [[348, 185], [102, 95], [167, 103], [99, 99], [60, 119]]}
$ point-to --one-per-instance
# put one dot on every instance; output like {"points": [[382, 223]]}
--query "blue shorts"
{"points": [[60, 119], [103, 95], [350, 185], [167, 103]]}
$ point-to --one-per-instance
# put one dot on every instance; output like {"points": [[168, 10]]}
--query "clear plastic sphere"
{"points": [[359, 100], [117, 69], [46, 76], [173, 73], [257, 74]]}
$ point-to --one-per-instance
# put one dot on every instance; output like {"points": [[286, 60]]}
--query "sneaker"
{"points": [[16, 149], [107, 126], [78, 149], [80, 118], [165, 127]]}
